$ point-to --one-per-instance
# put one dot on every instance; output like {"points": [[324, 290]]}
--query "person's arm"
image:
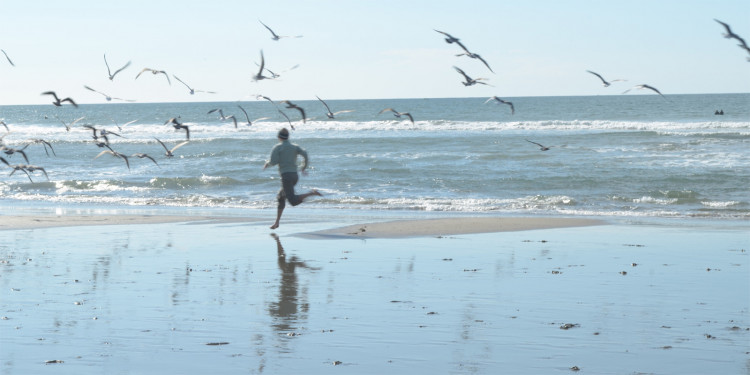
{"points": [[302, 152], [273, 160]]}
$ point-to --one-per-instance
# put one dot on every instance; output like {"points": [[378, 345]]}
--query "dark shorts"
{"points": [[288, 180]]}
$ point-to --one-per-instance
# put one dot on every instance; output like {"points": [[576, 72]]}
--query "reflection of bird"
{"points": [[541, 147], [115, 154], [275, 36], [170, 153], [109, 72], [294, 106], [498, 100], [107, 97], [177, 125], [398, 114], [604, 82], [469, 81], [6, 56], [192, 91], [154, 72], [58, 101], [329, 113], [644, 86]]}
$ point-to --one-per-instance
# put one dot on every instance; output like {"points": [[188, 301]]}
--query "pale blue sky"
{"points": [[369, 49]]}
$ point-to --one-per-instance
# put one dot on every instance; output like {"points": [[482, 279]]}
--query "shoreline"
{"points": [[373, 228]]}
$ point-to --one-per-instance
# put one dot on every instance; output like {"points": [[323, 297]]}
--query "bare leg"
{"points": [[279, 211]]}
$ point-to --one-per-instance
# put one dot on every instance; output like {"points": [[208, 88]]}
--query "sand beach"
{"points": [[161, 294]]}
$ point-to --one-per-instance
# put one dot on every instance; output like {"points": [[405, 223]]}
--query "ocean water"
{"points": [[620, 155]]}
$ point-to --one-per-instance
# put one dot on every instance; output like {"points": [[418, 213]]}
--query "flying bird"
{"points": [[476, 56], [154, 72], [18, 167], [6, 56], [221, 113], [107, 97], [294, 106], [45, 144], [500, 101], [177, 126], [192, 91], [470, 81], [541, 147], [729, 33], [141, 155], [10, 151], [115, 154], [67, 127], [250, 123], [287, 118], [5, 125], [604, 82], [109, 72], [58, 102], [644, 86], [275, 36], [170, 152], [398, 114], [260, 75], [330, 114]]}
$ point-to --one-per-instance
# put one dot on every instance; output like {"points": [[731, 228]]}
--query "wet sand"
{"points": [[225, 297]]}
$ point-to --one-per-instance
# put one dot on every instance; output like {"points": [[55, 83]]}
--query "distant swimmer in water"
{"points": [[284, 154]]}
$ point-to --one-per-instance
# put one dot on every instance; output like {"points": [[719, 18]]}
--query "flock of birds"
{"points": [[101, 136]]}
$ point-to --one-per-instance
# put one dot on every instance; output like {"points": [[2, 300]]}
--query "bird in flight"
{"points": [[275, 36], [250, 123], [154, 71], [177, 126], [170, 152], [221, 113], [115, 154], [67, 127], [470, 81], [107, 97], [6, 56], [192, 91], [58, 102], [541, 147], [262, 65], [330, 114], [604, 82], [644, 86], [498, 100], [294, 106], [398, 114], [141, 155], [729, 33], [109, 72]]}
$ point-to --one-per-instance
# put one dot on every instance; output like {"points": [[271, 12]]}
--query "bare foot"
{"points": [[315, 192], [274, 226]]}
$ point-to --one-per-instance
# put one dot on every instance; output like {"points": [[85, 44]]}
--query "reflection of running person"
{"points": [[285, 155]]}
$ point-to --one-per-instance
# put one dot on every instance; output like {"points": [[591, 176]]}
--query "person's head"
{"points": [[283, 134]]}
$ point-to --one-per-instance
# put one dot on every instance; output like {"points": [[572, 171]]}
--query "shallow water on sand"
{"points": [[229, 298]]}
